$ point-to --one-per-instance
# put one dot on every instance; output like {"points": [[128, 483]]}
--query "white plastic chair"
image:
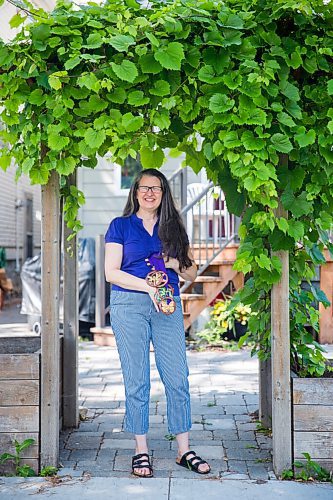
{"points": [[204, 214]]}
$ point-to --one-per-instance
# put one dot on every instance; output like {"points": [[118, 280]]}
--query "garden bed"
{"points": [[19, 397], [20, 389], [312, 419]]}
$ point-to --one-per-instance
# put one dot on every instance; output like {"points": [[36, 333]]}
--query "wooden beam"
{"points": [[71, 329], [281, 390], [265, 393], [49, 412]]}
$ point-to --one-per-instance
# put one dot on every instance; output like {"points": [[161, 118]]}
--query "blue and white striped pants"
{"points": [[135, 323]]}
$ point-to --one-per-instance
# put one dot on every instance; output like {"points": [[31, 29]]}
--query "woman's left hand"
{"points": [[171, 263]]}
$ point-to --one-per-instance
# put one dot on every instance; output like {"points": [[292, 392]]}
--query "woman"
{"points": [[149, 236]]}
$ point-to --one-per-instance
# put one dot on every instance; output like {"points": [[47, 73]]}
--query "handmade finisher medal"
{"points": [[158, 278]]}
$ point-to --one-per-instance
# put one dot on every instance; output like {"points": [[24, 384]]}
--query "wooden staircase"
{"points": [[201, 292]]}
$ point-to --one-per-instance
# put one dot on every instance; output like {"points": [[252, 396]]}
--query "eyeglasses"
{"points": [[154, 189]]}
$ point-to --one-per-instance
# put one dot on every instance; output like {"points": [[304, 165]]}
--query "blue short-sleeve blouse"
{"points": [[138, 244]]}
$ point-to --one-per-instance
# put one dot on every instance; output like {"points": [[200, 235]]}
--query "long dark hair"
{"points": [[171, 229]]}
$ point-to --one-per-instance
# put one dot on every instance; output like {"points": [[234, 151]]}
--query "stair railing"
{"points": [[209, 225]]}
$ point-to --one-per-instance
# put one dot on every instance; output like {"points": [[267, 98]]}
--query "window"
{"points": [[129, 170]]}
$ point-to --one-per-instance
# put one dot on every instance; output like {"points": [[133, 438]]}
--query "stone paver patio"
{"points": [[224, 390]]}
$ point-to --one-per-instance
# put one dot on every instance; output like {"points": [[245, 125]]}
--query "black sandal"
{"points": [[138, 464], [193, 463]]}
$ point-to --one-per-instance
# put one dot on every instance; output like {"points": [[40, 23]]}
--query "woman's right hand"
{"points": [[151, 292]]}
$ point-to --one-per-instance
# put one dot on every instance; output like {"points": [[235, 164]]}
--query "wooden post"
{"points": [[281, 393], [100, 282], [49, 448], [265, 393], [71, 330]]}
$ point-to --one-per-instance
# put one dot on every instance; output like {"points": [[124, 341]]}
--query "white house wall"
{"points": [[12, 225]]}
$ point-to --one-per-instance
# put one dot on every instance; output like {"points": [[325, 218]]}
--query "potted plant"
{"points": [[228, 321]]}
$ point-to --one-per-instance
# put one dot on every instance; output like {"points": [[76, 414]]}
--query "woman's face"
{"points": [[149, 199]]}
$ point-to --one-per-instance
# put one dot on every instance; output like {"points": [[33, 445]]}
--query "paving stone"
{"points": [[258, 472], [165, 454], [117, 433], [237, 466], [83, 455], [160, 444], [68, 471], [78, 442], [230, 435], [196, 443], [236, 410], [68, 464], [220, 423], [64, 454], [246, 454], [114, 444], [246, 435], [243, 426], [230, 399], [88, 427], [97, 403], [109, 418], [252, 399], [246, 418], [240, 444], [201, 435], [106, 455], [156, 419], [234, 476]]}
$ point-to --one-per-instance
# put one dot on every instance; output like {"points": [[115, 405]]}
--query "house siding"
{"points": [[12, 219]]}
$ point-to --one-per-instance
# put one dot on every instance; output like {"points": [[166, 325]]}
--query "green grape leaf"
{"points": [[281, 143], [37, 97], [151, 158], [170, 55], [71, 63], [121, 42], [16, 20], [286, 119], [290, 91], [161, 88], [137, 98], [207, 74], [252, 143], [39, 174], [94, 41], [126, 70], [149, 64], [296, 229], [94, 138], [305, 138], [66, 165], [330, 87], [57, 142], [132, 123], [219, 103]]}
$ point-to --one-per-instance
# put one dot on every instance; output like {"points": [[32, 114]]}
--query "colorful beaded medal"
{"points": [[158, 278]]}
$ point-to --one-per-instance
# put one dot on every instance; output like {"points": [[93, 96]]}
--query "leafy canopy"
{"points": [[252, 78]]}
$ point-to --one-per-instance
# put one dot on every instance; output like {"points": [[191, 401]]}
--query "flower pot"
{"points": [[240, 330]]}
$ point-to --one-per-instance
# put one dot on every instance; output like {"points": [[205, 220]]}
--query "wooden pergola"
{"points": [[274, 376]]}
